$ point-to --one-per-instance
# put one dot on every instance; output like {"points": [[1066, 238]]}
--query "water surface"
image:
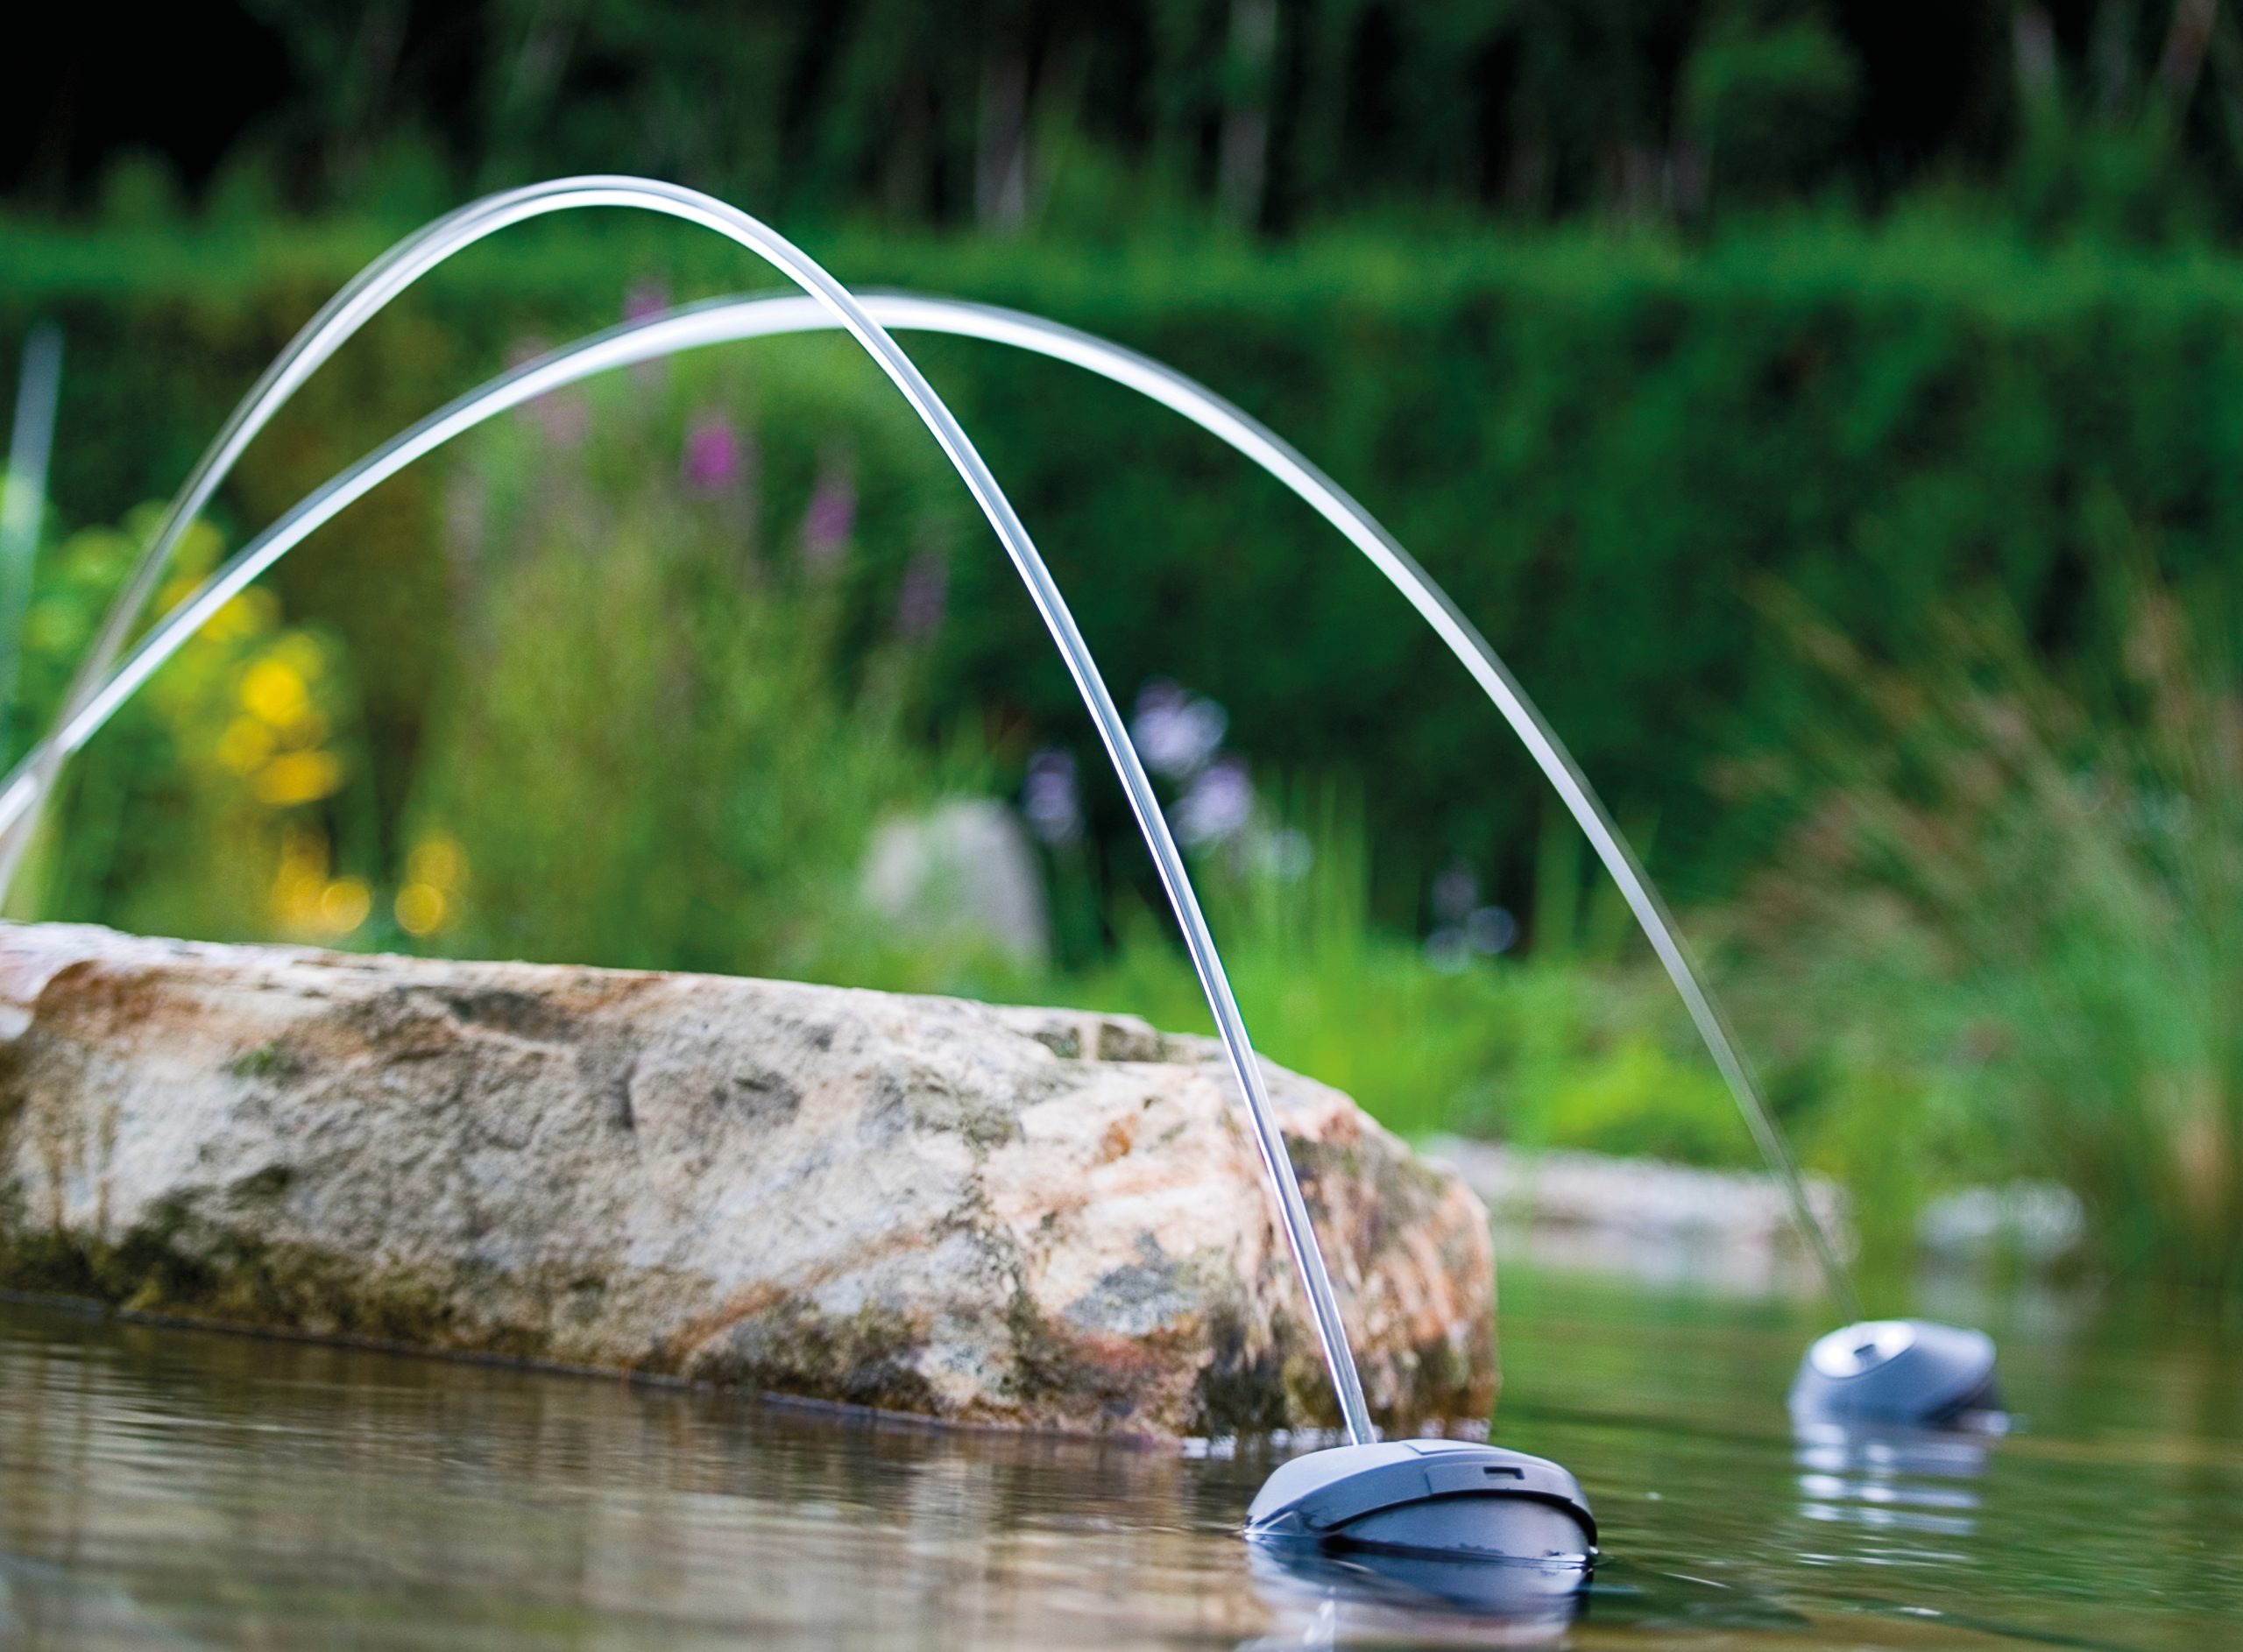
{"points": [[165, 1486]]}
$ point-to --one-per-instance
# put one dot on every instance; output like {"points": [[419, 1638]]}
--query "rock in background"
{"points": [[1667, 1224], [963, 872], [1029, 1217]]}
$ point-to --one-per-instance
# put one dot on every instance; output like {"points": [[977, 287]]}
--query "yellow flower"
{"points": [[300, 880], [274, 692], [438, 861], [343, 904], [252, 614], [244, 745], [299, 777], [302, 653], [422, 908]]}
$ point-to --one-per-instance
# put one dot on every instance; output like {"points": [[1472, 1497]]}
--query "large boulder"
{"points": [[1033, 1217]]}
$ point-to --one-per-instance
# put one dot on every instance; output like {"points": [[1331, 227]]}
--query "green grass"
{"points": [[2007, 935], [1567, 1047]]}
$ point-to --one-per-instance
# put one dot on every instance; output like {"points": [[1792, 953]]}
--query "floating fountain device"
{"points": [[1906, 1370], [1445, 1498], [1412, 1498]]}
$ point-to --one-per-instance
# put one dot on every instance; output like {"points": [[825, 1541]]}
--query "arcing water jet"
{"points": [[1450, 1499]]}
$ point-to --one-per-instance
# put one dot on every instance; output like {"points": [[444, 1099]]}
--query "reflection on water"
{"points": [[1322, 1599], [172, 1488], [1909, 1480]]}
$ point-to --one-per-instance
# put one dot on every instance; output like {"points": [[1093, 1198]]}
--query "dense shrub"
{"points": [[650, 750], [1594, 442]]}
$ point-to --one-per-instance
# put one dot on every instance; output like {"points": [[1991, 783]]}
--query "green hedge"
{"points": [[1598, 444]]}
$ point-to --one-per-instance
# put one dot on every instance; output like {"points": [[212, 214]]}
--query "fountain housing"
{"points": [[1908, 1371], [1451, 1499]]}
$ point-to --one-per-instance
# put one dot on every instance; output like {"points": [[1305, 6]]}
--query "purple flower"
{"points": [[1177, 734], [1456, 893], [643, 300], [830, 516], [648, 295], [919, 605], [715, 458], [564, 415], [1050, 799], [1218, 807], [1491, 930]]}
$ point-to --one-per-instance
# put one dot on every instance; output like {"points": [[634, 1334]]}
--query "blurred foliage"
{"points": [[1593, 441], [649, 610], [1577, 1046], [1023, 114], [682, 673], [1769, 107], [2003, 938], [212, 804], [1615, 314], [652, 749]]}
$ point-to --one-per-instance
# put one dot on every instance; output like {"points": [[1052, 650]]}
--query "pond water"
{"points": [[164, 1486]]}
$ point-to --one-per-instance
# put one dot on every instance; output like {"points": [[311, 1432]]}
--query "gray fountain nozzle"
{"points": [[1911, 1370], [1446, 1499]]}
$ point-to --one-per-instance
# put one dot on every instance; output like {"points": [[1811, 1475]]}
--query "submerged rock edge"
{"points": [[1028, 1217]]}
